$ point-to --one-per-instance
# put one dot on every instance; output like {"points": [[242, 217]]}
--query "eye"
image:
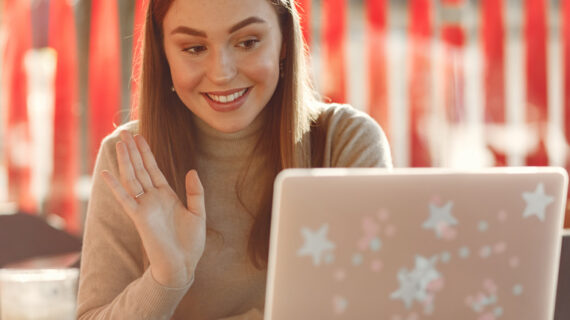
{"points": [[195, 49], [249, 43]]}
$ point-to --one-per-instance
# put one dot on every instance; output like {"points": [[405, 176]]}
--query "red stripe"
{"points": [[304, 9], [18, 40], [62, 37], [454, 37], [104, 72], [334, 56], [536, 79], [140, 10], [420, 31], [565, 14], [566, 63], [493, 37], [376, 14]]}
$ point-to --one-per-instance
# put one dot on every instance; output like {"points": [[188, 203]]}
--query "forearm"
{"points": [[144, 298], [253, 314]]}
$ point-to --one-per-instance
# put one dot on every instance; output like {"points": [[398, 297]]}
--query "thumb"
{"points": [[195, 194]]}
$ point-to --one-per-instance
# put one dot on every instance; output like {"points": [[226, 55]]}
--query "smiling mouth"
{"points": [[226, 98]]}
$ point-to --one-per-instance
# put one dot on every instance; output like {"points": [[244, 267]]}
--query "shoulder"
{"points": [[344, 116], [107, 148], [113, 137], [339, 110], [352, 137], [131, 126], [344, 122]]}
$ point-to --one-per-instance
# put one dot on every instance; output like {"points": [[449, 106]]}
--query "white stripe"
{"points": [[315, 58], [515, 85], [439, 126], [40, 67], [398, 98], [398, 84], [556, 142], [469, 132], [473, 68], [477, 154]]}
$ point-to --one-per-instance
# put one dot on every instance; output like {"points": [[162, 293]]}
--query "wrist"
{"points": [[179, 279]]}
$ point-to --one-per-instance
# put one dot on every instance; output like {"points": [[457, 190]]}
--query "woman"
{"points": [[178, 222]]}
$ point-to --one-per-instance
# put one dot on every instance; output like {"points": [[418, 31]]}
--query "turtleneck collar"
{"points": [[213, 143]]}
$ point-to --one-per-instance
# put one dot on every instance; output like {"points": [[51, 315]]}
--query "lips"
{"points": [[227, 96], [225, 101]]}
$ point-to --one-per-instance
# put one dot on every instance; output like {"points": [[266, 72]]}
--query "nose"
{"points": [[222, 66]]}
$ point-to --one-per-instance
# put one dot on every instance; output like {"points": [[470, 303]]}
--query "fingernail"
{"points": [[197, 177]]}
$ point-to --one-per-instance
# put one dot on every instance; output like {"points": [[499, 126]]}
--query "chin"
{"points": [[233, 127]]}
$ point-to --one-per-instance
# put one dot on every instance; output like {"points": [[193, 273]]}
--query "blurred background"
{"points": [[454, 83]]}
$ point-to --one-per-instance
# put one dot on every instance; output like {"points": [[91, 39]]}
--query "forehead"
{"points": [[217, 15]]}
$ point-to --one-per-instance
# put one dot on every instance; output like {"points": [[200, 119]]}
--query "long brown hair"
{"points": [[166, 122]]}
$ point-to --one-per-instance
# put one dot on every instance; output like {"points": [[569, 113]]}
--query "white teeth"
{"points": [[228, 98]]}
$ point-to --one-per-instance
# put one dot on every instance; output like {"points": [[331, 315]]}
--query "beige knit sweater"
{"points": [[115, 281]]}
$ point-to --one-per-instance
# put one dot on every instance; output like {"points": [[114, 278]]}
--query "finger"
{"points": [[156, 175], [195, 194], [128, 178], [136, 160], [124, 198]]}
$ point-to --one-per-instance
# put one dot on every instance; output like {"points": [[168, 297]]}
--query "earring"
{"points": [[172, 88], [281, 69]]}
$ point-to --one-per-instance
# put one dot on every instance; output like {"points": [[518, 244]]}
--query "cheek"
{"points": [[262, 68], [185, 75]]}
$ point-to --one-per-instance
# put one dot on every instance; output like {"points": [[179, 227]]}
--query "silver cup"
{"points": [[38, 294]]}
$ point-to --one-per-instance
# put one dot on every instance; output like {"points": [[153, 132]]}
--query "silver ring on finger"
{"points": [[139, 195]]}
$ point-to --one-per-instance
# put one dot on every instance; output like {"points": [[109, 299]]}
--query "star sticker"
{"points": [[536, 202], [425, 271], [408, 288], [439, 216], [316, 244], [413, 284]]}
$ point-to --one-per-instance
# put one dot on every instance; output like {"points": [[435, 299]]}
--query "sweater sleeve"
{"points": [[113, 281], [354, 139]]}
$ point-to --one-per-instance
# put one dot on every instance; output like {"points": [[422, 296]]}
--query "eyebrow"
{"points": [[234, 28]]}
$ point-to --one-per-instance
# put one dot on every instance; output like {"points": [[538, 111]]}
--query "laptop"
{"points": [[411, 244], [562, 309]]}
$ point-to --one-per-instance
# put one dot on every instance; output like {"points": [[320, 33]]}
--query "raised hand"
{"points": [[172, 234]]}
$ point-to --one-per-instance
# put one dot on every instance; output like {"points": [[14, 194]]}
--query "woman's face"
{"points": [[224, 58]]}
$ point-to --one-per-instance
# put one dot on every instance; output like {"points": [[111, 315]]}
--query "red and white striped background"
{"points": [[454, 83]]}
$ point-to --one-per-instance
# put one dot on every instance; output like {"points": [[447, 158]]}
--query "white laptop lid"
{"points": [[409, 244]]}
